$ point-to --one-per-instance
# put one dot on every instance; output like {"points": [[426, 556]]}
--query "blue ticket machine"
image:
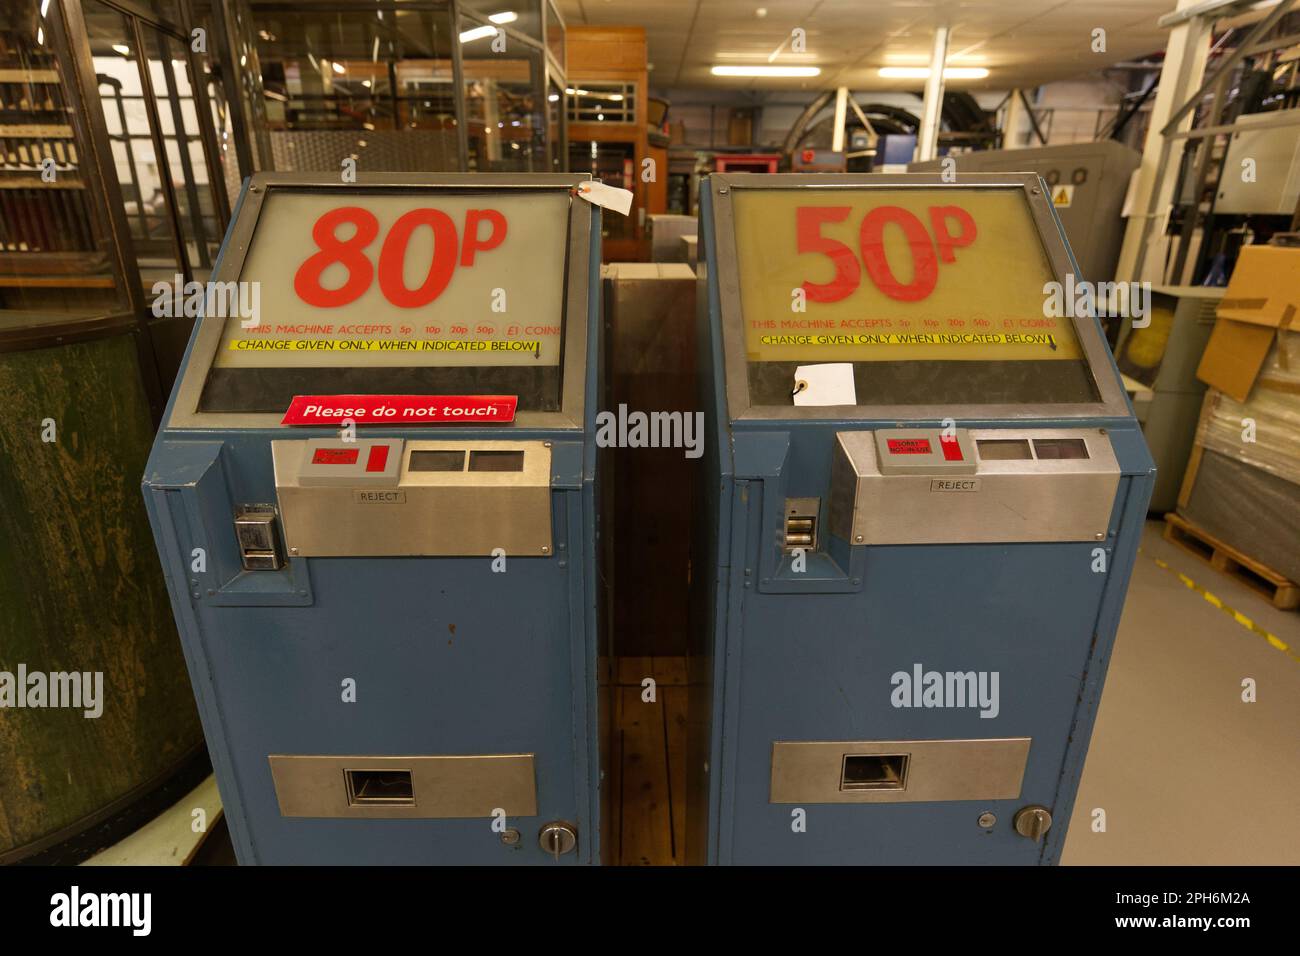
{"points": [[924, 488], [374, 500]]}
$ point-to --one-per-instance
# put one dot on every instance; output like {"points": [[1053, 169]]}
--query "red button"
{"points": [[951, 449], [378, 459]]}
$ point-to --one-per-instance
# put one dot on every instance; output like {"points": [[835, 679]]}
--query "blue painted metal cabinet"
{"points": [[397, 690], [904, 605]]}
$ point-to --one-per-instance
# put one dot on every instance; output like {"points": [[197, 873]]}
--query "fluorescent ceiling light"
{"points": [[766, 70], [508, 17], [477, 33], [337, 67], [786, 57], [122, 48], [923, 72]]}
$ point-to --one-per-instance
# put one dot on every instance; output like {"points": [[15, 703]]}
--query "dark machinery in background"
{"points": [[965, 123]]}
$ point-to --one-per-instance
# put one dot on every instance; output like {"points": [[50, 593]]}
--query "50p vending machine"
{"points": [[922, 495]]}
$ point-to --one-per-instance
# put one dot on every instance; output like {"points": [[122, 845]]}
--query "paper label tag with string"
{"points": [[829, 384], [608, 197]]}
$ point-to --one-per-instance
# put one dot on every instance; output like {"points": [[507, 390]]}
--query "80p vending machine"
{"points": [[390, 619], [923, 493]]}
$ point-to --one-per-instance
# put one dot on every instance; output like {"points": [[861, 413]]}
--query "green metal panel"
{"points": [[81, 590]]}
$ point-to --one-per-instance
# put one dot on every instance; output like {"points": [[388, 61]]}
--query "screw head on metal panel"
{"points": [[510, 837], [1032, 822], [1101, 535], [722, 190], [987, 820], [557, 838], [546, 549], [293, 550]]}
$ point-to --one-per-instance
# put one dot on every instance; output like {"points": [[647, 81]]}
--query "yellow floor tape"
{"points": [[1236, 615]]}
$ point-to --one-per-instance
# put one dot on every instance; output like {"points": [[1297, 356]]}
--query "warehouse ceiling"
{"points": [[1022, 43]]}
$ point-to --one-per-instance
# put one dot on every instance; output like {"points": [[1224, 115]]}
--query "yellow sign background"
{"points": [[989, 303]]}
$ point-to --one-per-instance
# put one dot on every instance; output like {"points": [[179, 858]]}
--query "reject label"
{"points": [[955, 484]]}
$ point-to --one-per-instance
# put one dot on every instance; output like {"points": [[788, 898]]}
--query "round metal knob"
{"points": [[558, 838], [1032, 822]]}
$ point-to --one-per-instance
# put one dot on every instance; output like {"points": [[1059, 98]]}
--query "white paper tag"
{"points": [[609, 197], [830, 384]]}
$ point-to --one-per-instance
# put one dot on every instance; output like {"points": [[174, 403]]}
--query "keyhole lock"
{"points": [[1032, 822], [558, 838]]}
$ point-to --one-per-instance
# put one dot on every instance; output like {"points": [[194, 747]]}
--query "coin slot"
{"points": [[1053, 449], [437, 460], [390, 788], [874, 772], [1003, 449], [800, 532], [496, 461]]}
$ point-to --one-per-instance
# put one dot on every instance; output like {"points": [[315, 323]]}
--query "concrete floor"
{"points": [[1186, 772]]}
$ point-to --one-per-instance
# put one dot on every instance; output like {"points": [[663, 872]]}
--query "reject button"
{"points": [[378, 458], [951, 448]]}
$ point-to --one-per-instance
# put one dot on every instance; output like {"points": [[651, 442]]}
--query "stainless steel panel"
{"points": [[1068, 499], [811, 771], [431, 513], [441, 786]]}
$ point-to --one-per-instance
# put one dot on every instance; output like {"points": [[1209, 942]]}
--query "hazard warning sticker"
{"points": [[1062, 196]]}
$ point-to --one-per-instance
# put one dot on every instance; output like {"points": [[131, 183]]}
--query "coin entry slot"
{"points": [[874, 772], [437, 460], [1003, 449], [1054, 449], [390, 788], [496, 461], [801, 523]]}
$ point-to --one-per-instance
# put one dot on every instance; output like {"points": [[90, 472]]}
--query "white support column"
{"points": [[841, 114], [1180, 77], [927, 137], [1014, 124]]}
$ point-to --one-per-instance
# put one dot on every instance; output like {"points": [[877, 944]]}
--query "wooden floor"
{"points": [[649, 758]]}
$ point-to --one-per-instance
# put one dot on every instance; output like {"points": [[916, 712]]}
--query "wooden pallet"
{"points": [[1280, 590]]}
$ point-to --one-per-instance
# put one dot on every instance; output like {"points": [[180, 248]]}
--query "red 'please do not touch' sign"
{"points": [[401, 409]]}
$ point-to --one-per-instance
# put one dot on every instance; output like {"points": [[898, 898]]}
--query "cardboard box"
{"points": [[1262, 298]]}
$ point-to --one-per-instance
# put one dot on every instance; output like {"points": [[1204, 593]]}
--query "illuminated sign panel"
{"points": [[391, 291], [403, 279], [894, 275]]}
